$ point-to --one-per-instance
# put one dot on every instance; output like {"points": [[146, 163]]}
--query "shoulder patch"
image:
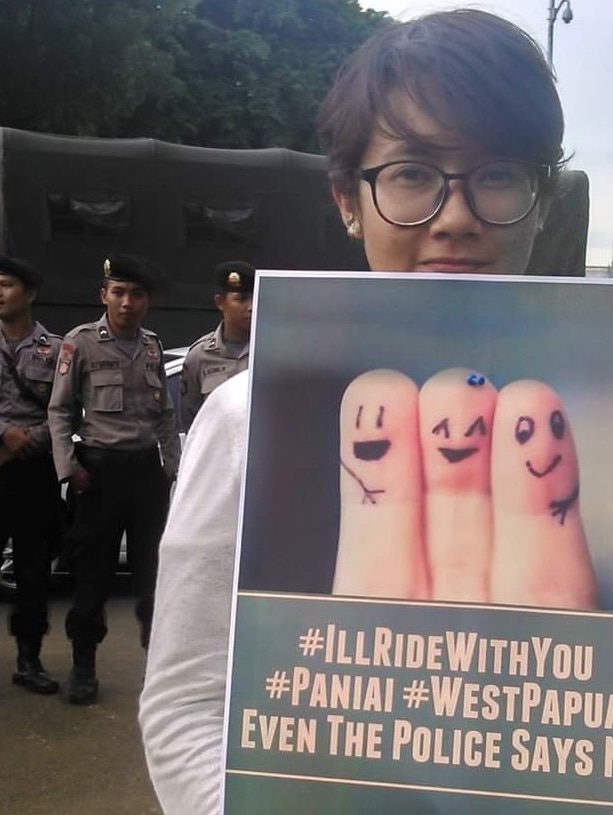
{"points": [[46, 343], [65, 361]]}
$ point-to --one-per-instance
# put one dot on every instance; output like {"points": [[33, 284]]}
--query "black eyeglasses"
{"points": [[410, 193]]}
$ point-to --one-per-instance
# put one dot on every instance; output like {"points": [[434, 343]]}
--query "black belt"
{"points": [[114, 454]]}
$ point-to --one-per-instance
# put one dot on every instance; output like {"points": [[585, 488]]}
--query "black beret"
{"points": [[122, 267], [16, 267], [235, 275]]}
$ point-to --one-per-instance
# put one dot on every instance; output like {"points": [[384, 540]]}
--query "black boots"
{"points": [[83, 684], [30, 673]]}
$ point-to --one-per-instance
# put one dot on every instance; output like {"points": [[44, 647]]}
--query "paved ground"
{"points": [[57, 759]]}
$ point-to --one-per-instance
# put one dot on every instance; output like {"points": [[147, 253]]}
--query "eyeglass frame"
{"points": [[371, 174]]}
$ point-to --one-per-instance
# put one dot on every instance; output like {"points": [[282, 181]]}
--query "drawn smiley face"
{"points": [[374, 415], [534, 461], [456, 454], [378, 433], [375, 448], [524, 432], [456, 410]]}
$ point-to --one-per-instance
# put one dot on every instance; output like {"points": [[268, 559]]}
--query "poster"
{"points": [[441, 647]]}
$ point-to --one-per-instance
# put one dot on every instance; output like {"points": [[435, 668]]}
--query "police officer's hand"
{"points": [[79, 481], [17, 440], [456, 491]]}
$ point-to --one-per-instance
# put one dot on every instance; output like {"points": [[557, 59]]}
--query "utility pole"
{"points": [[567, 16]]}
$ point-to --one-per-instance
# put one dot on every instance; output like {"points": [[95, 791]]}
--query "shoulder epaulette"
{"points": [[201, 339], [150, 335], [80, 328]]}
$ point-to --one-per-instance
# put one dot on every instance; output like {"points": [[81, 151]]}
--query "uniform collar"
{"points": [[215, 340], [104, 332], [223, 342], [38, 335]]}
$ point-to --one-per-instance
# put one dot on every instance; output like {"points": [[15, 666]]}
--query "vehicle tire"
{"points": [[7, 578]]}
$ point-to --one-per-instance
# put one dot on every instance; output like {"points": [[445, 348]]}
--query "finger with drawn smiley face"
{"points": [[456, 414], [541, 555], [380, 550]]}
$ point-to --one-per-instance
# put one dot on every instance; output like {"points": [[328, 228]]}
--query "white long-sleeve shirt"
{"points": [[182, 703]]}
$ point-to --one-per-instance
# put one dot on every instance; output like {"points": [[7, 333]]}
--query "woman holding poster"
{"points": [[444, 136]]}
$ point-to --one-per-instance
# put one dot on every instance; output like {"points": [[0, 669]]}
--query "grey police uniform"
{"points": [[35, 359], [119, 405], [29, 492], [209, 362], [115, 400]]}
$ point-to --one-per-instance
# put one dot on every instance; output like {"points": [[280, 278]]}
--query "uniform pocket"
{"points": [[154, 390], [107, 391], [212, 381], [40, 379]]}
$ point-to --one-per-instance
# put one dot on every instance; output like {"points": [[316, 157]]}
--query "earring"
{"points": [[354, 227]]}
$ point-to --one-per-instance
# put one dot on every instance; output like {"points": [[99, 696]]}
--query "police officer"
{"points": [[110, 388], [29, 491], [224, 352]]}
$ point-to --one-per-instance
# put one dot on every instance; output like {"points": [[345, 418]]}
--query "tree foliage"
{"points": [[264, 67], [83, 66], [220, 73]]}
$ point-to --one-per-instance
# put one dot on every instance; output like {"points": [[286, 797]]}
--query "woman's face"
{"points": [[454, 241]]}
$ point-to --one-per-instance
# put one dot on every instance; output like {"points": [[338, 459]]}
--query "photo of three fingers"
{"points": [[447, 442], [458, 491]]}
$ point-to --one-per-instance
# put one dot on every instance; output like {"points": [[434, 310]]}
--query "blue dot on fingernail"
{"points": [[475, 380]]}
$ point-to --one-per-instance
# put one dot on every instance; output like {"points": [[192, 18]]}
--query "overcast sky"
{"points": [[583, 56]]}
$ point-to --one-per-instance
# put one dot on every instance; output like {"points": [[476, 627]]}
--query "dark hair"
{"points": [[469, 70], [30, 277]]}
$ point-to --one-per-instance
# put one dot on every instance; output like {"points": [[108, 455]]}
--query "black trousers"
{"points": [[29, 515], [128, 493]]}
